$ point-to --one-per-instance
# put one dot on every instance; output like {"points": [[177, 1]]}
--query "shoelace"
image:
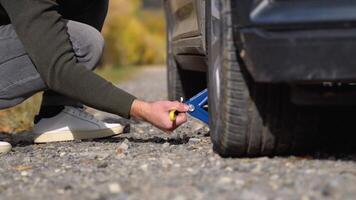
{"points": [[82, 113]]}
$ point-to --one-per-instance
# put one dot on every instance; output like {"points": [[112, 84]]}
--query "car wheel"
{"points": [[248, 118], [183, 83]]}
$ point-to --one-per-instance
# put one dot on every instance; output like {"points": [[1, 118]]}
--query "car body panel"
{"points": [[186, 31], [296, 41], [184, 18], [292, 12], [290, 41]]}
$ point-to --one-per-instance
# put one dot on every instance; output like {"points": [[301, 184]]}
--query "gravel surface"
{"points": [[148, 164]]}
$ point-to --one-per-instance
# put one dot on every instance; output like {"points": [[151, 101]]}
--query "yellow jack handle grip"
{"points": [[173, 115]]}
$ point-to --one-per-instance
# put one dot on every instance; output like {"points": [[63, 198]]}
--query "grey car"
{"points": [[280, 73]]}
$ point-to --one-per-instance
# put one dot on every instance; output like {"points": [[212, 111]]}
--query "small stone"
{"points": [[125, 144], [166, 162], [60, 191], [224, 180], [196, 126], [26, 159], [274, 186], [122, 149], [309, 171], [239, 182], [115, 188], [304, 197], [274, 177], [258, 168], [327, 190], [103, 165], [68, 167], [228, 169], [5, 147], [144, 167], [166, 145], [62, 154], [179, 197], [24, 173], [190, 170], [194, 140], [68, 187]]}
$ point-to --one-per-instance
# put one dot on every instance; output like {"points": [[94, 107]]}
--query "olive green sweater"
{"points": [[43, 34]]}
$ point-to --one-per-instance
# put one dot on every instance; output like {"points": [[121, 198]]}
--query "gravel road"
{"points": [[148, 164]]}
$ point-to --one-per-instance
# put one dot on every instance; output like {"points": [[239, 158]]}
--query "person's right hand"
{"points": [[157, 113]]}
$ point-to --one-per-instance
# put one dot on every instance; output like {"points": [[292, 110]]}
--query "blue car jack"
{"points": [[196, 107]]}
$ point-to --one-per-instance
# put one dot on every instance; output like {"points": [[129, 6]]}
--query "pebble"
{"points": [[305, 197], [224, 180], [5, 147], [122, 149], [190, 170], [194, 140], [258, 168], [103, 165], [115, 188], [239, 182], [165, 145], [24, 173], [196, 126], [125, 144], [179, 197], [166, 162], [274, 185], [144, 167]]}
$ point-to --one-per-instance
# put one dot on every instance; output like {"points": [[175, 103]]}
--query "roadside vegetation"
{"points": [[133, 36]]}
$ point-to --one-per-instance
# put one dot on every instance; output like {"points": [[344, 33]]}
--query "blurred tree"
{"points": [[133, 36]]}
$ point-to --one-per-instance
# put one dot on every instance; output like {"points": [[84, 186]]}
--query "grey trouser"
{"points": [[19, 78]]}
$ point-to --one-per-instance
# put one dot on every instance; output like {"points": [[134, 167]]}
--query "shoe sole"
{"points": [[62, 136]]}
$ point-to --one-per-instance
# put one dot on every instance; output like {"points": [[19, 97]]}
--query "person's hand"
{"points": [[157, 113]]}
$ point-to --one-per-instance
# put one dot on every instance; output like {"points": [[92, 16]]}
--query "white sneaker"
{"points": [[73, 124], [5, 147]]}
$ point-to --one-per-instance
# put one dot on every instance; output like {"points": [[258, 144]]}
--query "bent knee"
{"points": [[87, 42]]}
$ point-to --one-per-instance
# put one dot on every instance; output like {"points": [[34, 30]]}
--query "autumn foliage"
{"points": [[133, 36]]}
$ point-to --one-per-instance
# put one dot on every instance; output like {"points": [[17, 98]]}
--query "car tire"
{"points": [[183, 83], [248, 118]]}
